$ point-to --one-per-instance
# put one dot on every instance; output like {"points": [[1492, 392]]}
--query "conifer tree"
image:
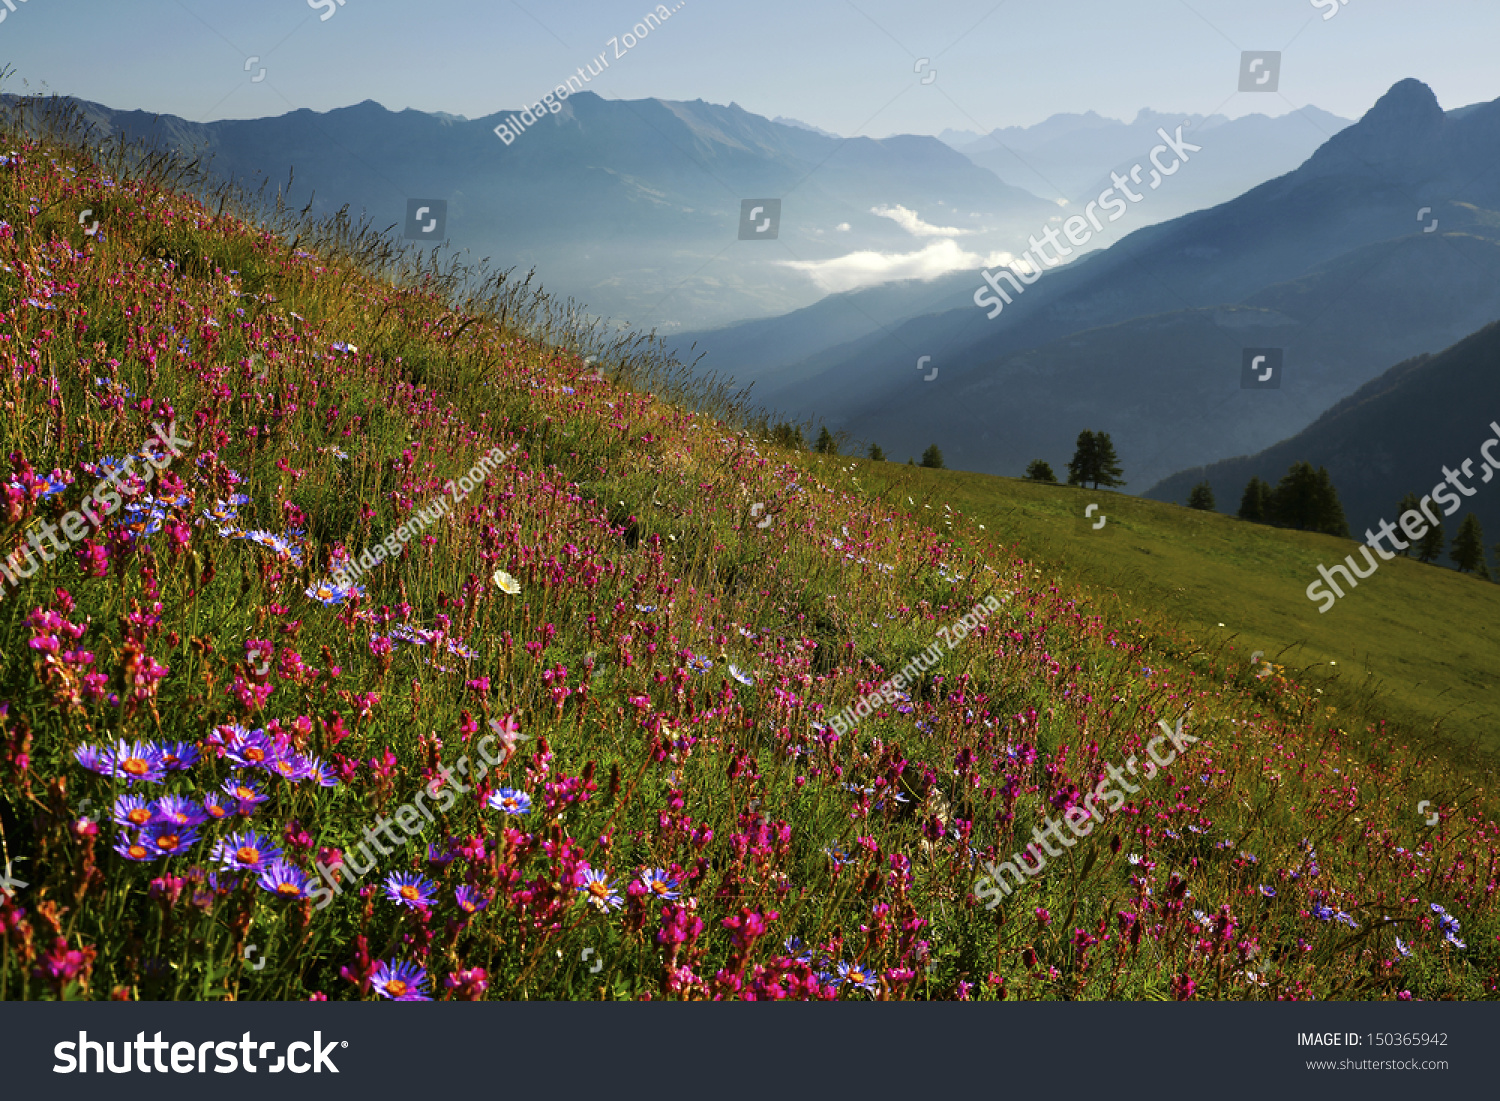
{"points": [[932, 457], [1430, 546], [825, 444], [1108, 471], [876, 455], [1467, 551], [1040, 471], [1330, 513], [1094, 460], [1084, 459], [1410, 503], [1202, 497], [1305, 499], [1255, 503]]}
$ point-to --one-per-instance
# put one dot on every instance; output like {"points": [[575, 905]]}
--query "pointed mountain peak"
{"points": [[1408, 103], [1405, 119]]}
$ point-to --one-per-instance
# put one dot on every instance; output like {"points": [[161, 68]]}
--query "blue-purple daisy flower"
{"points": [[596, 888], [469, 900], [857, 976], [284, 880], [410, 889], [247, 851], [659, 884], [400, 982], [133, 812], [510, 801]]}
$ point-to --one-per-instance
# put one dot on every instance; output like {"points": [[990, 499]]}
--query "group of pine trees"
{"points": [[1305, 499], [1094, 462], [790, 436]]}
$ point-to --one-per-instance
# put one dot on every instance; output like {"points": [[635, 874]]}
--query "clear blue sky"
{"points": [[845, 66]]}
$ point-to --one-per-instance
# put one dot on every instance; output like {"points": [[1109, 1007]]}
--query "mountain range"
{"points": [[631, 207], [1381, 246]]}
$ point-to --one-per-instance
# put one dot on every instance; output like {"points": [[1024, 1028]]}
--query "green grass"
{"points": [[1415, 644]]}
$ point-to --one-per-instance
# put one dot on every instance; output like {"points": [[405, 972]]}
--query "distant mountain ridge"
{"points": [[631, 206], [1319, 262]]}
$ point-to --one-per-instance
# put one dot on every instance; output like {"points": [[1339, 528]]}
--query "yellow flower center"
{"points": [[139, 817], [598, 890], [244, 792], [216, 811], [255, 753], [395, 988], [135, 766], [466, 906], [247, 855], [138, 852], [167, 841], [288, 889], [410, 893]]}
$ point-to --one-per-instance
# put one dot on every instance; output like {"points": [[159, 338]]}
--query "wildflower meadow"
{"points": [[573, 737]]}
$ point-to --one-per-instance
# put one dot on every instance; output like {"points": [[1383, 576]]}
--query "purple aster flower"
{"points": [[511, 801], [861, 978], [410, 889], [659, 885], [179, 756], [249, 748], [169, 840], [128, 761], [179, 810], [94, 759], [321, 774], [797, 950], [214, 809], [246, 793], [469, 901], [284, 880], [247, 851], [595, 887], [132, 812], [134, 848], [289, 765], [400, 982]]}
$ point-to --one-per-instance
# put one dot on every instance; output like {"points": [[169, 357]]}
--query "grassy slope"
{"points": [[628, 525], [1414, 644]]}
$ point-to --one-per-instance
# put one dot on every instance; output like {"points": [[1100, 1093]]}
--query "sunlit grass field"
{"points": [[1414, 644], [633, 635]]}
